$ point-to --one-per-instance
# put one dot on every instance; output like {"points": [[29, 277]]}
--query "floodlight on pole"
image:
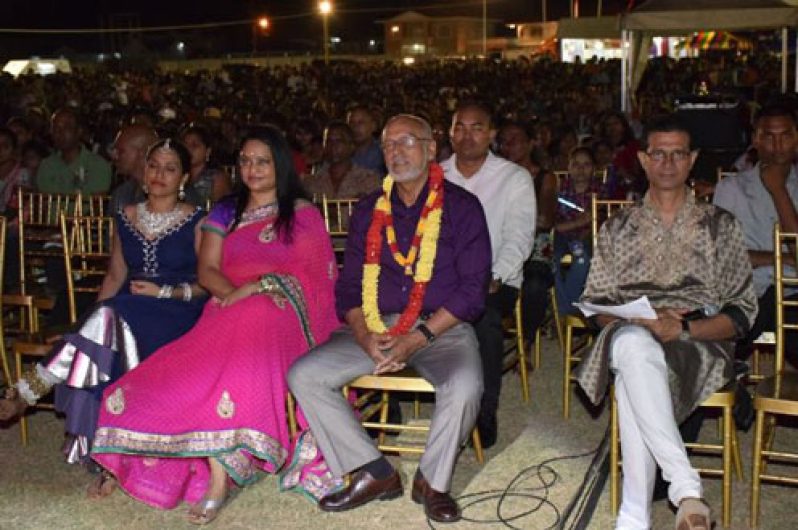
{"points": [[325, 8], [260, 25]]}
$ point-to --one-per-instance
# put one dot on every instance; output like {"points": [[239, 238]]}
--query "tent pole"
{"points": [[784, 58], [624, 67]]}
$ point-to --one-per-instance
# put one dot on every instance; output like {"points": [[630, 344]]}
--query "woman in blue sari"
{"points": [[149, 296]]}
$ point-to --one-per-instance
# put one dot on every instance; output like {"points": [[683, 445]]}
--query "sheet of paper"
{"points": [[639, 308]]}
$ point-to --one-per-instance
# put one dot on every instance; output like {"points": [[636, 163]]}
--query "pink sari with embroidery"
{"points": [[219, 391]]}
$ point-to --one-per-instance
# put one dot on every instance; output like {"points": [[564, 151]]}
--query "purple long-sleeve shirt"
{"points": [[461, 273]]}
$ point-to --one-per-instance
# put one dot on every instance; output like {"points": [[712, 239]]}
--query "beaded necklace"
{"points": [[153, 224]]}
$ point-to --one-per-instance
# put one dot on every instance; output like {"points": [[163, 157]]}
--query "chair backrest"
{"points": [[87, 250], [336, 214], [784, 245], [93, 205], [38, 226], [601, 210]]}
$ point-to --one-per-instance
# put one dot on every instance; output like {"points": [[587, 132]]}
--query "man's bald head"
{"points": [[130, 149]]}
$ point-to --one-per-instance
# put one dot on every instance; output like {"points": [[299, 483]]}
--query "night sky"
{"points": [[300, 31]]}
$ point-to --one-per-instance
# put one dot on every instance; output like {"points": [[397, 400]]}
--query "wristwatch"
{"points": [[428, 334], [685, 333]]}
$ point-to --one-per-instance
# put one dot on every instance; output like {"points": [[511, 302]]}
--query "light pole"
{"points": [[325, 8], [484, 28]]}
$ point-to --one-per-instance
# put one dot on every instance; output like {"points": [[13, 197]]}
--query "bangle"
{"points": [[186, 291], [267, 285], [165, 291]]}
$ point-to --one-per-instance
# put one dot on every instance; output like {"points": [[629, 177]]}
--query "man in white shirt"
{"points": [[507, 195]]}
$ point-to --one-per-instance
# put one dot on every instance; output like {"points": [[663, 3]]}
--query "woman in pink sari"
{"points": [[211, 405]]}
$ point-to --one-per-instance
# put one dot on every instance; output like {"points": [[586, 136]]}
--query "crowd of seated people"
{"points": [[262, 254]]}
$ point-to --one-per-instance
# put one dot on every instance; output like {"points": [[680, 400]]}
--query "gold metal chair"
{"points": [[516, 329], [86, 251], [23, 350], [93, 205], [336, 214], [776, 395], [406, 380], [39, 242], [729, 450], [6, 370], [600, 209]]}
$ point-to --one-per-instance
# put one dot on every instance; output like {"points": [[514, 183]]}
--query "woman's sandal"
{"points": [[206, 511], [104, 485], [693, 514], [12, 405]]}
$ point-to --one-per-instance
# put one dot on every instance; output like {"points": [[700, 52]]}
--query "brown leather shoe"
{"points": [[438, 506], [362, 488]]}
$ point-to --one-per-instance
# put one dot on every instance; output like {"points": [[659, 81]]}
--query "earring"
{"points": [[145, 189], [182, 193]]}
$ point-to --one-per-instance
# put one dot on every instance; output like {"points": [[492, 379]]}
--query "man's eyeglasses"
{"points": [[407, 141], [659, 156]]}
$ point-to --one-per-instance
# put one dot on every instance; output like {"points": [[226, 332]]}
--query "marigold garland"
{"points": [[422, 254]]}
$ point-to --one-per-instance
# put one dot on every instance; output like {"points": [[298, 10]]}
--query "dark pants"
{"points": [[538, 279], [491, 345], [766, 321]]}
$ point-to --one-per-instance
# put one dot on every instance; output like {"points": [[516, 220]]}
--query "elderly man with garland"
{"points": [[416, 272]]}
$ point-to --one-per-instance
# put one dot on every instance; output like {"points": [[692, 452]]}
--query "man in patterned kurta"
{"points": [[684, 256]]}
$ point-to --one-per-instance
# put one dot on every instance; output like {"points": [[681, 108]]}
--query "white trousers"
{"points": [[649, 434]]}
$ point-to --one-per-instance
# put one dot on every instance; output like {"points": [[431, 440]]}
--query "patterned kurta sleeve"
{"points": [[735, 284], [602, 283]]}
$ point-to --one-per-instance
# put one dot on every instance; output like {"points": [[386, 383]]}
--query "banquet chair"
{"points": [[39, 243], [24, 350], [776, 395], [86, 253], [95, 205], [728, 449], [514, 327], [600, 209], [336, 214], [406, 380], [5, 365]]}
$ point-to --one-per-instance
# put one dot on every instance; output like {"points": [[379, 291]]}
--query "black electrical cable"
{"points": [[546, 477]]}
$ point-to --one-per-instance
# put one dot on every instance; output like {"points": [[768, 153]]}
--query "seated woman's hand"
{"points": [[144, 288], [239, 293]]}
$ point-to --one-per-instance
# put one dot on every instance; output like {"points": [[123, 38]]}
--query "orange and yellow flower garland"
{"points": [[424, 247]]}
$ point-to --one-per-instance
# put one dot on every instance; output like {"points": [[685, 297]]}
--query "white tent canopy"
{"points": [[680, 16], [669, 17]]}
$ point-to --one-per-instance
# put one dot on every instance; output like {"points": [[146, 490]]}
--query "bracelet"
{"points": [[267, 285], [186, 291], [166, 291]]}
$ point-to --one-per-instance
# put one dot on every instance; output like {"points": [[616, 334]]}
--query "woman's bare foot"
{"points": [[215, 496], [103, 486], [12, 405]]}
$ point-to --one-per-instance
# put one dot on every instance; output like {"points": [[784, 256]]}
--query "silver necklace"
{"points": [[258, 213], [154, 224]]}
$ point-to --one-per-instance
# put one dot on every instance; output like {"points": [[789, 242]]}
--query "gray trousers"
{"points": [[451, 364]]}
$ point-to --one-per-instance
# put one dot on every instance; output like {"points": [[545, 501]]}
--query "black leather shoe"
{"points": [[438, 506], [362, 488]]}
